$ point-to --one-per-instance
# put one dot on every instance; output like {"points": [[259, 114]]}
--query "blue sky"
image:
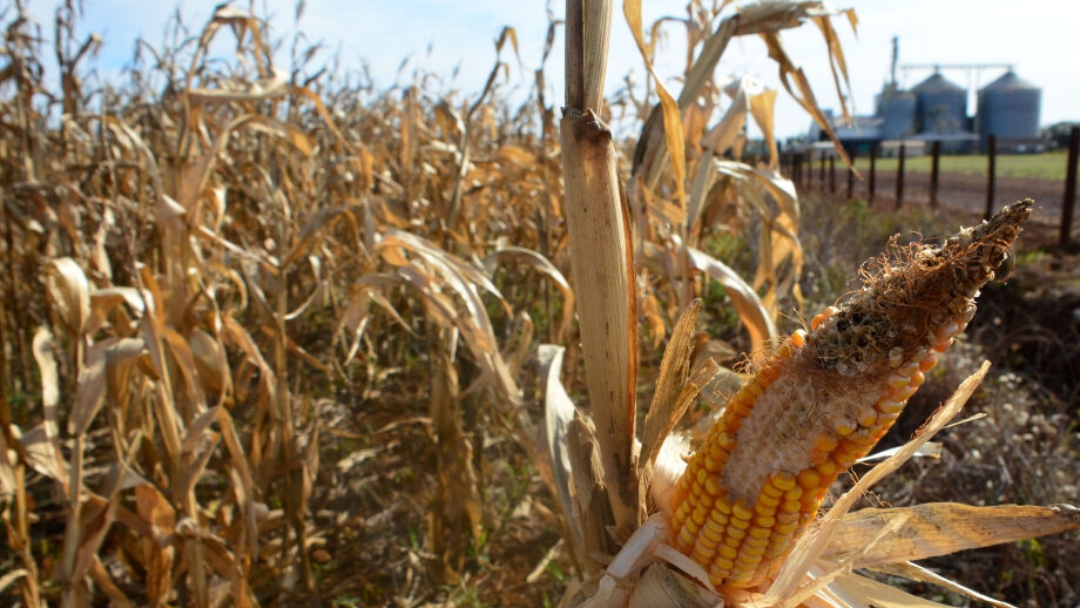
{"points": [[1039, 37]]}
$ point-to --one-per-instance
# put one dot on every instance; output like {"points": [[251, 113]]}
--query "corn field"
{"points": [[277, 336]]}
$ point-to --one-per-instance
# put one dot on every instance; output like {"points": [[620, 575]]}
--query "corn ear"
{"points": [[823, 399]]}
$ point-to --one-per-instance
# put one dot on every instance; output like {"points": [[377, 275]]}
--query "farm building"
{"points": [[936, 110]]}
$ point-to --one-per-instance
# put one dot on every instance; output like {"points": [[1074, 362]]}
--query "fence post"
{"points": [[936, 151], [1070, 187], [809, 169], [991, 168], [851, 175], [821, 173], [832, 174], [873, 174], [900, 177]]}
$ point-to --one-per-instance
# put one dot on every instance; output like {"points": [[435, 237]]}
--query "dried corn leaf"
{"points": [[671, 116], [102, 302], [192, 399], [554, 463], [117, 598], [208, 354], [790, 71], [120, 359], [90, 393], [748, 305], [704, 66], [591, 498], [70, 291], [942, 528], [541, 265], [10, 577], [667, 407], [860, 592], [780, 248], [918, 573], [43, 455], [243, 486], [157, 558], [662, 587]]}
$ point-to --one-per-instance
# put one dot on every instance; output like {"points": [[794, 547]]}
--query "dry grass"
{"points": [[269, 335]]}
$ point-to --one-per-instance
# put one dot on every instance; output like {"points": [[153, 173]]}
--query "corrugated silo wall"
{"points": [[942, 111], [898, 114], [1010, 114]]}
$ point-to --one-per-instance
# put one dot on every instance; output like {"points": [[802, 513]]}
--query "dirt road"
{"points": [[966, 192]]}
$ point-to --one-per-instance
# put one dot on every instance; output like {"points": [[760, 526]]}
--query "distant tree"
{"points": [[1057, 134]]}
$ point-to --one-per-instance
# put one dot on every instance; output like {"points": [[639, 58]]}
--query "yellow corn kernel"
{"points": [[888, 406], [903, 393], [867, 417], [764, 509], [929, 362], [755, 551], [734, 532], [791, 506], [917, 379], [713, 486], [768, 501], [897, 381], [809, 478], [827, 468], [824, 441], [844, 426], [782, 480], [759, 533], [724, 564]]}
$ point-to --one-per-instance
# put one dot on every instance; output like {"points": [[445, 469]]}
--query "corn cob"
{"points": [[823, 399]]}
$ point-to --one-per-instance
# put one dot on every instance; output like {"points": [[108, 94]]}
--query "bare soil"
{"points": [[962, 192]]}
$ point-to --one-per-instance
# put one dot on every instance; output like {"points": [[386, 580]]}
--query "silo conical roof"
{"points": [[937, 84], [1010, 82]]}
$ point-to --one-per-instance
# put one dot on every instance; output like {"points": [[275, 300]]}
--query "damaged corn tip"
{"points": [[824, 399]]}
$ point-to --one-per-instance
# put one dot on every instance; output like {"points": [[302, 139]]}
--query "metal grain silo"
{"points": [[897, 110], [942, 105], [1009, 108]]}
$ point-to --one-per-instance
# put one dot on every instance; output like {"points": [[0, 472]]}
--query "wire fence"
{"points": [[817, 171]]}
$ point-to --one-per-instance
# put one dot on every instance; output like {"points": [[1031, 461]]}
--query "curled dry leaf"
{"points": [[70, 292]]}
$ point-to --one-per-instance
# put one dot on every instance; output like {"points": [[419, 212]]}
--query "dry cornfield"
{"points": [[277, 337]]}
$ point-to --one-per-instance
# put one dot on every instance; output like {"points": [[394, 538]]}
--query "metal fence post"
{"points": [[873, 174], [1069, 203], [821, 174], [832, 175], [936, 151], [900, 177], [851, 176], [991, 169]]}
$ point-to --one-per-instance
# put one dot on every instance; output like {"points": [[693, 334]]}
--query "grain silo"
{"points": [[897, 110], [1009, 108], [941, 106]]}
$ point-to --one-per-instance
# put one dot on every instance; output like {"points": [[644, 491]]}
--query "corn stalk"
{"points": [[601, 255]]}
